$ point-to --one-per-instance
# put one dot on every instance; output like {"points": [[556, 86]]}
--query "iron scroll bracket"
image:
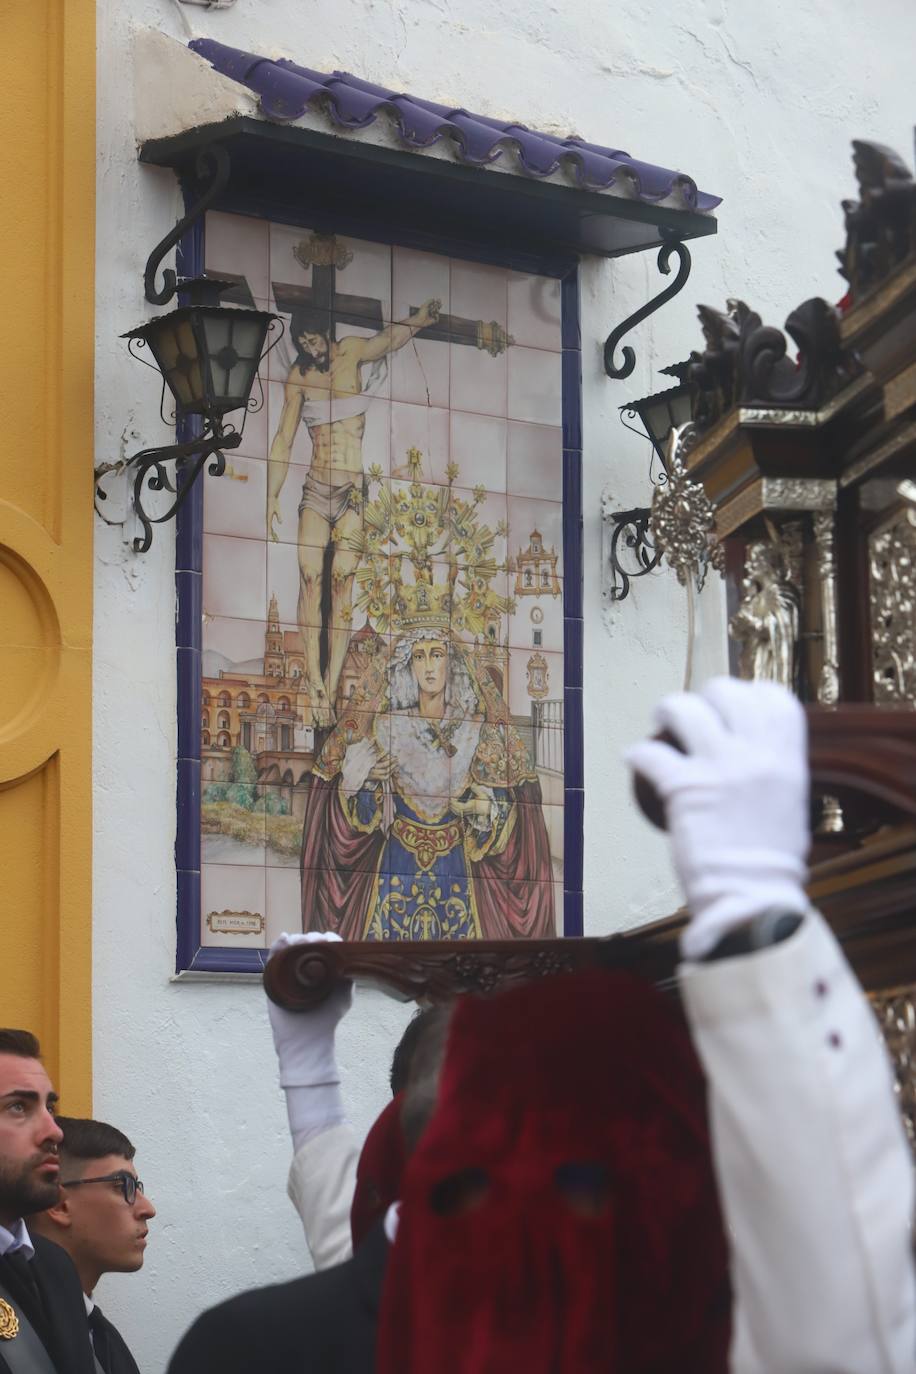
{"points": [[213, 165], [189, 458], [672, 246], [148, 468], [633, 529]]}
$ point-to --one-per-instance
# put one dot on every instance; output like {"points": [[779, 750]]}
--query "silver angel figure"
{"points": [[765, 625]]}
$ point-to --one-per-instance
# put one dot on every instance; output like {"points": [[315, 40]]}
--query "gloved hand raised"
{"points": [[304, 1041], [736, 802]]}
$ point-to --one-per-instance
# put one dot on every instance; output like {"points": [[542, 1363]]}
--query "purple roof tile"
{"points": [[287, 91]]}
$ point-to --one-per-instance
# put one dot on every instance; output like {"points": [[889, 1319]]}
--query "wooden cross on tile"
{"points": [[326, 256]]}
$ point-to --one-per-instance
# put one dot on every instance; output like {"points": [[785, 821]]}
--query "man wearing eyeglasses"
{"points": [[101, 1219]]}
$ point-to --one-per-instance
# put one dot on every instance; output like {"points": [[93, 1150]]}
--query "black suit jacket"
{"points": [[322, 1324], [119, 1360], [62, 1296]]}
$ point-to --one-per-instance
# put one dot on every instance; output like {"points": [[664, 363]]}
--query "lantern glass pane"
{"points": [[235, 339], [681, 407], [175, 348], [217, 330], [248, 337], [188, 341], [657, 421]]}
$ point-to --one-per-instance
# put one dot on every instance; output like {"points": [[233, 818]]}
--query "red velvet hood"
{"points": [[597, 1244]]}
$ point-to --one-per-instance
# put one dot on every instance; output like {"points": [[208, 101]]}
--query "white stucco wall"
{"points": [[758, 102]]}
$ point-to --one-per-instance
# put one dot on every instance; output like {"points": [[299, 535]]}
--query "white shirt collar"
{"points": [[90, 1305], [16, 1240]]}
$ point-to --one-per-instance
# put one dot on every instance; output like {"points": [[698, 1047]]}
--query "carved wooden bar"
{"points": [[302, 977], [865, 754]]}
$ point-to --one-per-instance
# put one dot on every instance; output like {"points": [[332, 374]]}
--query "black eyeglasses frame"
{"points": [[130, 1186]]}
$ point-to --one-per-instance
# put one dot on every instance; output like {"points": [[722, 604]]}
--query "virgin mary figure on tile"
{"points": [[427, 826], [424, 818]]}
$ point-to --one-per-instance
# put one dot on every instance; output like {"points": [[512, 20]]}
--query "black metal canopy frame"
{"points": [[349, 186]]}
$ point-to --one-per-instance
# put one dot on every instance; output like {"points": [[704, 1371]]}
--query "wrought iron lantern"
{"points": [[663, 412], [633, 551], [208, 356]]}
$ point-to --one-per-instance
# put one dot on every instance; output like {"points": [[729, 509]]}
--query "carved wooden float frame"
{"points": [[863, 754]]}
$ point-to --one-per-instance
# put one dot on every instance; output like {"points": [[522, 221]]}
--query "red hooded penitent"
{"points": [[560, 1214]]}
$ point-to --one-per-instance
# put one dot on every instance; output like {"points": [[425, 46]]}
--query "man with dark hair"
{"points": [[42, 1317], [407, 1046], [101, 1219]]}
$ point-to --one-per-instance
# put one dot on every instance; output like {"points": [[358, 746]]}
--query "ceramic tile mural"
{"points": [[382, 715]]}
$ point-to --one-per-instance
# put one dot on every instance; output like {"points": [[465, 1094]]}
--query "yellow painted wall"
{"points": [[47, 212]]}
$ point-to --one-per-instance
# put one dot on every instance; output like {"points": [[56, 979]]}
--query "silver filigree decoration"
{"points": [[770, 415], [683, 519], [896, 1013], [892, 565], [765, 626], [798, 493], [828, 687]]}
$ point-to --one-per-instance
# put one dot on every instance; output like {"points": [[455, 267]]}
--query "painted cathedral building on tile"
{"points": [[265, 713]]}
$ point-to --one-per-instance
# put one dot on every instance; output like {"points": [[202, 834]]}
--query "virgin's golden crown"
{"points": [[427, 558]]}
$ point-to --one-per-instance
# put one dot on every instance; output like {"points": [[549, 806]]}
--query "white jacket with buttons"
{"points": [[814, 1169]]}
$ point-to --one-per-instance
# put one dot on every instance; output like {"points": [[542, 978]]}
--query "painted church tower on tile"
{"points": [[274, 658]]}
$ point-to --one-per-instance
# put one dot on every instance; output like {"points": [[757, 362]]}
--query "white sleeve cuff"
{"points": [[313, 1110]]}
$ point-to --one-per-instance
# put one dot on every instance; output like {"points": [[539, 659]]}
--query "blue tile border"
{"points": [[571, 371], [188, 921], [188, 609], [573, 635], [573, 763], [189, 534], [188, 663], [187, 832], [573, 913], [572, 536], [573, 840], [215, 959], [570, 328], [190, 954]]}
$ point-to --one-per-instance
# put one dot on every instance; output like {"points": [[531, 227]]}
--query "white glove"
{"points": [[736, 802], [304, 1041]]}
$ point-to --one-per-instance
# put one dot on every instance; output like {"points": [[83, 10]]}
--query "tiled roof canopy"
{"points": [[287, 91]]}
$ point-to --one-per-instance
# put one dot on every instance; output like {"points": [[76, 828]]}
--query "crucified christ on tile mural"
{"points": [[329, 388]]}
